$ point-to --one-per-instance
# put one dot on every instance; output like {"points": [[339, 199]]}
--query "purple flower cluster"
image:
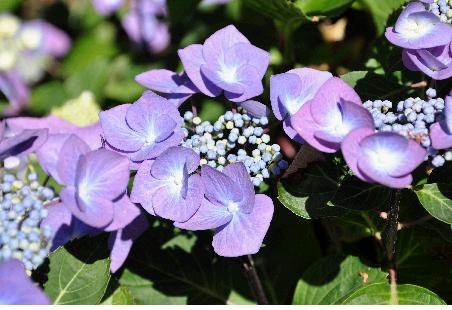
{"points": [[226, 62], [334, 118], [142, 22], [426, 39], [25, 49]]}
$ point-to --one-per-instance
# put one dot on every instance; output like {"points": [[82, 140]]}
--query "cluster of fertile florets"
{"points": [[411, 118], [22, 210], [441, 8], [235, 137]]}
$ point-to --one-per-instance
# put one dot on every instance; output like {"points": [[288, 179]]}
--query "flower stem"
{"points": [[254, 280], [391, 243]]}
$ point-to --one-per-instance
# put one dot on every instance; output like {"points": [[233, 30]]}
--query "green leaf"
{"points": [[9, 5], [381, 10], [47, 96], [79, 272], [371, 86], [180, 12], [93, 78], [405, 294], [436, 198], [121, 84], [332, 279], [280, 10], [121, 296], [419, 264], [309, 195], [176, 268], [98, 44], [328, 8], [358, 195]]}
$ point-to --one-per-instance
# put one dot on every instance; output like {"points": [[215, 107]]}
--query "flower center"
{"points": [[233, 207], [228, 74]]}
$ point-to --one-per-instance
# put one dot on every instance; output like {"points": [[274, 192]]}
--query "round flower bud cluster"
{"points": [[441, 8], [22, 209], [412, 118], [235, 137]]}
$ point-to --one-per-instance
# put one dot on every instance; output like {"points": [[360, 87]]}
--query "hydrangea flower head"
{"points": [[227, 62], [435, 62], [93, 179], [240, 218], [417, 28], [290, 90], [174, 86], [165, 187], [17, 287], [335, 111], [385, 157], [143, 130]]}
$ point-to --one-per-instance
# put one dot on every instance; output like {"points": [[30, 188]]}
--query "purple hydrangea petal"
{"points": [[55, 42], [255, 108], [392, 153], [335, 111], [2, 129], [172, 162], [220, 188], [15, 90], [383, 178], [192, 58], [144, 187], [440, 136], [178, 205], [117, 133], [102, 173], [54, 124], [217, 78], [208, 216], [91, 134], [245, 233], [17, 287], [150, 151], [291, 132], [290, 90], [239, 175], [252, 90], [417, 28], [161, 38], [28, 141], [124, 213], [94, 211], [435, 62], [121, 241], [217, 45], [68, 158], [166, 81], [352, 151], [49, 154], [59, 219]]}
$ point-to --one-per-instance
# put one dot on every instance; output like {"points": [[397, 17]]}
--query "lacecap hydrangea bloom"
{"points": [[291, 90], [331, 115], [228, 62], [142, 130], [167, 186], [239, 216], [426, 37]]}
